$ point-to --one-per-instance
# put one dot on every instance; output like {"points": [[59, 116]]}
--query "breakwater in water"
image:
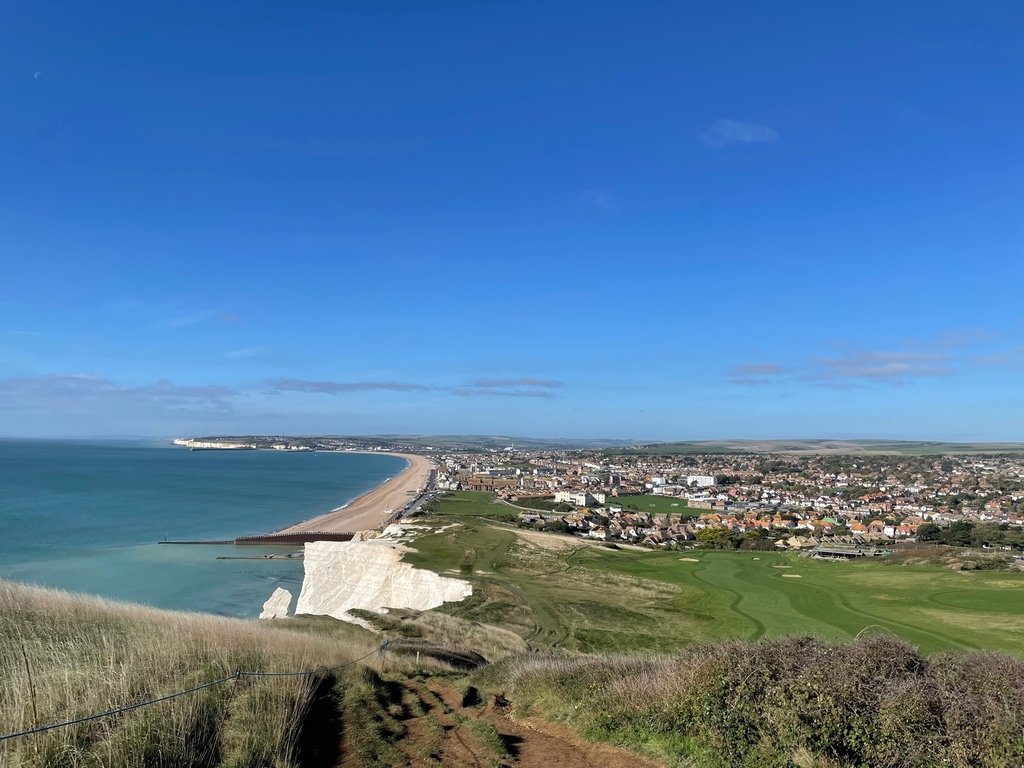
{"points": [[274, 539], [278, 539]]}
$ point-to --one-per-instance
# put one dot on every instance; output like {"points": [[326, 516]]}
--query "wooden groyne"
{"points": [[199, 541], [294, 538], [274, 539]]}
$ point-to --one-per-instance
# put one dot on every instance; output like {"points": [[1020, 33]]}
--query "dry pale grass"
{"points": [[491, 641], [64, 657], [552, 541]]}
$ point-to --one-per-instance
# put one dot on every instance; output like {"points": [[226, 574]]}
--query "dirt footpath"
{"points": [[538, 743], [529, 743]]}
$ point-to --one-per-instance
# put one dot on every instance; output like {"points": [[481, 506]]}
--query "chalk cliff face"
{"points": [[370, 575], [226, 445], [277, 604]]}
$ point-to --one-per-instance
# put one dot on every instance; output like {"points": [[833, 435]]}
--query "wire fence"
{"points": [[237, 675]]}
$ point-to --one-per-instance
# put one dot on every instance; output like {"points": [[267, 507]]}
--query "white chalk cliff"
{"points": [[277, 604], [370, 575]]}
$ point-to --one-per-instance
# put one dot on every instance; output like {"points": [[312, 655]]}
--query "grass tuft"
{"points": [[63, 657]]}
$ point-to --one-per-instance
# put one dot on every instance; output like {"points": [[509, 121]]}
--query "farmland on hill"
{"points": [[801, 446]]}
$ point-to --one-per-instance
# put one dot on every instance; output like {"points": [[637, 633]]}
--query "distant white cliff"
{"points": [[209, 445], [341, 575]]}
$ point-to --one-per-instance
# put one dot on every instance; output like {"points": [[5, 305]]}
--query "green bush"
{"points": [[872, 702]]}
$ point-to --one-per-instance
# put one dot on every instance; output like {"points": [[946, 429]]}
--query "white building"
{"points": [[701, 481], [579, 498]]}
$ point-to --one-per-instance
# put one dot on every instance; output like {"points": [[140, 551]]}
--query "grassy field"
{"points": [[474, 504], [771, 594], [658, 505], [579, 595], [543, 505]]}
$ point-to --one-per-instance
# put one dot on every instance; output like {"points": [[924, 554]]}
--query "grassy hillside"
{"points": [[698, 658], [64, 657], [585, 596]]}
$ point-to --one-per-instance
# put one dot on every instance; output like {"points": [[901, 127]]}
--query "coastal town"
{"points": [[832, 503], [757, 501]]}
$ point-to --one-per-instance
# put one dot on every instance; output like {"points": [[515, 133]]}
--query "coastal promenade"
{"points": [[372, 509]]}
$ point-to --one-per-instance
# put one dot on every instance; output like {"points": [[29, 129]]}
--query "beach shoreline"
{"points": [[372, 509], [128, 497]]}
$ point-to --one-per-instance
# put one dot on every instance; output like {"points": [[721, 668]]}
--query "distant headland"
{"points": [[488, 443]]}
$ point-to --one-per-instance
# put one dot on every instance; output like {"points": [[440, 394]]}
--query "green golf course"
{"points": [[572, 593]]}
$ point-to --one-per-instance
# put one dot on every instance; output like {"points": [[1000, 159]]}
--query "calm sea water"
{"points": [[87, 517]]}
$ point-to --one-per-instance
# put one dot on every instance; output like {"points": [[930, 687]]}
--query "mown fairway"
{"points": [[572, 593], [657, 505], [753, 595], [474, 504]]}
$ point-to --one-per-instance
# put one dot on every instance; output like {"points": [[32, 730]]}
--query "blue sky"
{"points": [[636, 220]]}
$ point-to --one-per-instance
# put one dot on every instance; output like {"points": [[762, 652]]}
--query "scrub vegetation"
{"points": [[797, 701]]}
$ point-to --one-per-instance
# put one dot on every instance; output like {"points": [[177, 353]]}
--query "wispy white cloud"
{"points": [[725, 133], [80, 392], [895, 367], [247, 353], [753, 374], [521, 382], [757, 369], [1007, 357], [344, 387], [849, 366], [492, 387], [168, 315], [515, 387]]}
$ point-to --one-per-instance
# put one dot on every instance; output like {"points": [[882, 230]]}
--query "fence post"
{"points": [[31, 686]]}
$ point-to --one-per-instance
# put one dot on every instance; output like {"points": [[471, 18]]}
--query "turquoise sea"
{"points": [[87, 517]]}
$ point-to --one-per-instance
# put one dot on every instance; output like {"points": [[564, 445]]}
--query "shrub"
{"points": [[982, 700], [872, 702]]}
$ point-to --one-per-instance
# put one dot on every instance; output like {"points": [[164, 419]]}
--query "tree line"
{"points": [[964, 533]]}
